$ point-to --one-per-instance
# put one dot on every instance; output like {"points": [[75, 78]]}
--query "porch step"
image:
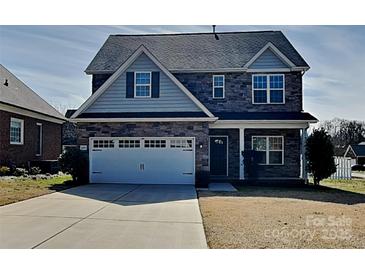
{"points": [[273, 182]]}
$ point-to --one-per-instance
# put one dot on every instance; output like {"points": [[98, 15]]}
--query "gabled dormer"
{"points": [[270, 58]]}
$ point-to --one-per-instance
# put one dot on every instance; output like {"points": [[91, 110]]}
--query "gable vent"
{"points": [[6, 82]]}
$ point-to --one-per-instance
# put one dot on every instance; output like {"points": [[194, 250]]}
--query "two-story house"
{"points": [[189, 108]]}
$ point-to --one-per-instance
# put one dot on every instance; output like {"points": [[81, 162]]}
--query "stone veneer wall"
{"points": [[98, 80], [238, 92], [199, 130], [291, 167], [69, 134]]}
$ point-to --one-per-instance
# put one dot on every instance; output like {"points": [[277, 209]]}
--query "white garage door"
{"points": [[142, 160]]}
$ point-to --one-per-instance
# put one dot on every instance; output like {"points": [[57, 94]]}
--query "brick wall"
{"points": [[291, 167], [199, 130], [238, 92], [21, 154]]}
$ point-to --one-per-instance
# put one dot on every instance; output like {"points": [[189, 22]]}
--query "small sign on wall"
{"points": [[83, 147]]}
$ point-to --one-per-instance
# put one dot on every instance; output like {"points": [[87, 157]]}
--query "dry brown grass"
{"points": [[268, 217], [20, 189]]}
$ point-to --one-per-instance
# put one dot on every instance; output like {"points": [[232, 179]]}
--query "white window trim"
{"points": [[267, 89], [267, 151], [149, 85], [40, 140], [21, 131], [224, 89]]}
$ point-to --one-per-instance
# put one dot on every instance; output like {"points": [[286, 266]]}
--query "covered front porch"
{"points": [[257, 151]]}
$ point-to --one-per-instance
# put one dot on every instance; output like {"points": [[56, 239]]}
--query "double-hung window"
{"points": [[218, 86], [268, 89], [142, 85], [269, 149], [16, 131]]}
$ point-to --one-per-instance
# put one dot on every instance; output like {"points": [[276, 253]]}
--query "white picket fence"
{"points": [[343, 165]]}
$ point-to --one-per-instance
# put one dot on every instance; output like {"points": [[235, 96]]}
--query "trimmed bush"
{"points": [[34, 170], [75, 162], [20, 172], [4, 170]]}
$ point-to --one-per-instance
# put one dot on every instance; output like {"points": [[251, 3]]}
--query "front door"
{"points": [[218, 147]]}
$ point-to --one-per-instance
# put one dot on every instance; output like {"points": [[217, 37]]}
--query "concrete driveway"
{"points": [[106, 216]]}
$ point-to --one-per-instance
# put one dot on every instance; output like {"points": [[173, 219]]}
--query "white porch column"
{"points": [[304, 174], [242, 148]]}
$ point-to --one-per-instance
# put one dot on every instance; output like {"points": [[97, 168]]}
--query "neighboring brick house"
{"points": [[189, 108], [30, 128]]}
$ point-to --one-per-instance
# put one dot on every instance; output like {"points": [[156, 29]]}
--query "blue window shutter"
{"points": [[155, 84], [130, 85]]}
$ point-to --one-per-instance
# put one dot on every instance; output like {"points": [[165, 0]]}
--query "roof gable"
{"points": [[141, 50], [268, 60], [171, 98], [269, 55], [355, 150], [18, 94], [194, 51], [359, 150]]}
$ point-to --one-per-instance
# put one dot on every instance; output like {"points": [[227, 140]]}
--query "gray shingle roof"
{"points": [[192, 51], [20, 95]]}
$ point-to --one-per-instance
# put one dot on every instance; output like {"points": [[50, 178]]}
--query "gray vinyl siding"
{"points": [[268, 60], [171, 99]]}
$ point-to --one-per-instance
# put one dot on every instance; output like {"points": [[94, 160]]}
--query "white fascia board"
{"points": [[260, 124], [29, 113], [219, 70], [141, 120], [276, 51], [124, 67]]}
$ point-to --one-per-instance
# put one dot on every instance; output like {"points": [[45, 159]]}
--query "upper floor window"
{"points": [[218, 86], [142, 84], [16, 131], [268, 89]]}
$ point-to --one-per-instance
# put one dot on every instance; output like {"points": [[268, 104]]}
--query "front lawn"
{"points": [[354, 185], [20, 189], [331, 216]]}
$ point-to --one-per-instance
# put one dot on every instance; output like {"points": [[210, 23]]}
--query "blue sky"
{"points": [[52, 60]]}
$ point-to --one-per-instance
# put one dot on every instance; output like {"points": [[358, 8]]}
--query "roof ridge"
{"points": [[195, 33]]}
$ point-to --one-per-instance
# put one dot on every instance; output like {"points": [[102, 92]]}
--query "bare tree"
{"points": [[344, 132]]}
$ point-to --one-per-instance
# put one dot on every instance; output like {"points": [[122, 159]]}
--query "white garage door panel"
{"points": [[142, 165]]}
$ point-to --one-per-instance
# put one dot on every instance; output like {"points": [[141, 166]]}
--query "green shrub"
{"points": [[20, 171], [4, 170], [320, 155], [75, 162], [34, 170]]}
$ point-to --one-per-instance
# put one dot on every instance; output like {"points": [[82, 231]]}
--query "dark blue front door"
{"points": [[218, 155]]}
